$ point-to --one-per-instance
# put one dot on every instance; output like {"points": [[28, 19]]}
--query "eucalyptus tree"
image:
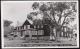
{"points": [[57, 13]]}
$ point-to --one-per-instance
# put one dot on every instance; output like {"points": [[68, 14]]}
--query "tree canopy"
{"points": [[57, 13], [7, 22]]}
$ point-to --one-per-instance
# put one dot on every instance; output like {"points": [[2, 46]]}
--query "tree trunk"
{"points": [[52, 33]]}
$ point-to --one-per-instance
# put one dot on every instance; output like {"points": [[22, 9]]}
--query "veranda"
{"points": [[38, 32]]}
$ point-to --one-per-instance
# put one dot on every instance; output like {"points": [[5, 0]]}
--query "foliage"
{"points": [[7, 28], [50, 10], [29, 16], [7, 22]]}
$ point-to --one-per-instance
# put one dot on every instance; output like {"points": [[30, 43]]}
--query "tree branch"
{"points": [[59, 20], [51, 18], [64, 20], [54, 18]]}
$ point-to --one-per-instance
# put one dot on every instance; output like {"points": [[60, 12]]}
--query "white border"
{"points": [[47, 46]]}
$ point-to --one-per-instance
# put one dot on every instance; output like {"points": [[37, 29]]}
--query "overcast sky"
{"points": [[15, 10]]}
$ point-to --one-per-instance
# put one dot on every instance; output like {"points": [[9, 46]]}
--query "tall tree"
{"points": [[51, 10]]}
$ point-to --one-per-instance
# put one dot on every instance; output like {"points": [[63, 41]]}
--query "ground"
{"points": [[28, 43]]}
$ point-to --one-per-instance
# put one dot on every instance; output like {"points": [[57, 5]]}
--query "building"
{"points": [[29, 30]]}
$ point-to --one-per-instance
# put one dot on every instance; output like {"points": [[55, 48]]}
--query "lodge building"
{"points": [[28, 30], [38, 32]]}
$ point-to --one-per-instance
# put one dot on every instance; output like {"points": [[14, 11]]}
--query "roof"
{"points": [[28, 22]]}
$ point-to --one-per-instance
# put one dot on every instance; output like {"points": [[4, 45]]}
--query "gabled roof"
{"points": [[26, 23]]}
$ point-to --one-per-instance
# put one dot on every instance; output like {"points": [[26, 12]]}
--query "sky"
{"points": [[15, 10]]}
